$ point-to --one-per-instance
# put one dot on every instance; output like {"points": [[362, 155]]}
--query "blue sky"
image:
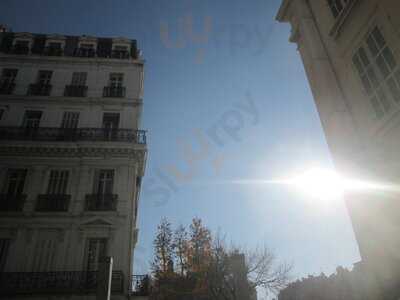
{"points": [[230, 104]]}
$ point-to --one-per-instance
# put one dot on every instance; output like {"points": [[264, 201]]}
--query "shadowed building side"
{"points": [[350, 51]]}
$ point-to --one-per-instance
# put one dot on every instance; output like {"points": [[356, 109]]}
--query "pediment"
{"points": [[97, 222]]}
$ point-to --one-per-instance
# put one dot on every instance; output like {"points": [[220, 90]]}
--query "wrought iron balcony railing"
{"points": [[114, 91], [140, 285], [101, 202], [52, 134], [75, 90], [17, 49], [39, 89], [7, 87], [120, 54], [84, 52], [59, 282], [53, 51], [12, 202], [53, 202]]}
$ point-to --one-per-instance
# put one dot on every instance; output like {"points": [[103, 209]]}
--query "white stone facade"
{"points": [[351, 55], [100, 150]]}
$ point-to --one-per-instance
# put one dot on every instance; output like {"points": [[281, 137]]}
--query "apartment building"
{"points": [[72, 156]]}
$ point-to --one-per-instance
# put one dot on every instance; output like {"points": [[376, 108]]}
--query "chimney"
{"points": [[3, 28]]}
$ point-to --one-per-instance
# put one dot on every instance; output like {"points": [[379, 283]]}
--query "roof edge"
{"points": [[281, 16]]}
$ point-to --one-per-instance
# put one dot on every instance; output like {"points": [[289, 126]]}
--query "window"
{"points": [[22, 44], [96, 248], [70, 120], [8, 76], [44, 77], [32, 119], [87, 46], [116, 80], [4, 246], [58, 182], [1, 113], [378, 71], [78, 78], [121, 48], [337, 6], [54, 45], [44, 252], [104, 182], [15, 182], [110, 121]]}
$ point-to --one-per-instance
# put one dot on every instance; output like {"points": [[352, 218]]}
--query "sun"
{"points": [[323, 184]]}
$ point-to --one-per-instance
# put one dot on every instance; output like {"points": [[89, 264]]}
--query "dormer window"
{"points": [[120, 51], [86, 49], [54, 49], [21, 47], [338, 6]]}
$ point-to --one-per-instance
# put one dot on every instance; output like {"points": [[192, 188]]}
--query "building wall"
{"points": [[68, 231], [363, 145]]}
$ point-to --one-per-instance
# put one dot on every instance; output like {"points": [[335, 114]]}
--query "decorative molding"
{"points": [[134, 102], [35, 59]]}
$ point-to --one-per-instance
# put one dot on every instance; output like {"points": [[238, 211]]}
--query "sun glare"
{"points": [[325, 184], [319, 183]]}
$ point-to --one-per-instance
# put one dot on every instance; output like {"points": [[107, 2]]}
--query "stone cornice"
{"points": [[73, 100], [282, 15], [81, 151], [71, 60], [136, 153]]}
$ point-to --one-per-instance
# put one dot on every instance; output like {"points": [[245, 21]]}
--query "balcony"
{"points": [[53, 202], [101, 202], [59, 282], [84, 52], [20, 50], [52, 134], [39, 89], [53, 51], [114, 91], [120, 54], [7, 88], [11, 203], [75, 91]]}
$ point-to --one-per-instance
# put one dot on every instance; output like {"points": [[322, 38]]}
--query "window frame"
{"points": [[44, 77], [15, 177], [58, 182], [380, 94]]}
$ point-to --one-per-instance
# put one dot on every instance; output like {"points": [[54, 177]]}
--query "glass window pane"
{"points": [[389, 57], [357, 64], [372, 46], [373, 78], [378, 37], [367, 84], [363, 56], [382, 66]]}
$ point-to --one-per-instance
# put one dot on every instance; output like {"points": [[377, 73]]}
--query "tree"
{"points": [[208, 269], [163, 250], [199, 246], [180, 246], [264, 270]]}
